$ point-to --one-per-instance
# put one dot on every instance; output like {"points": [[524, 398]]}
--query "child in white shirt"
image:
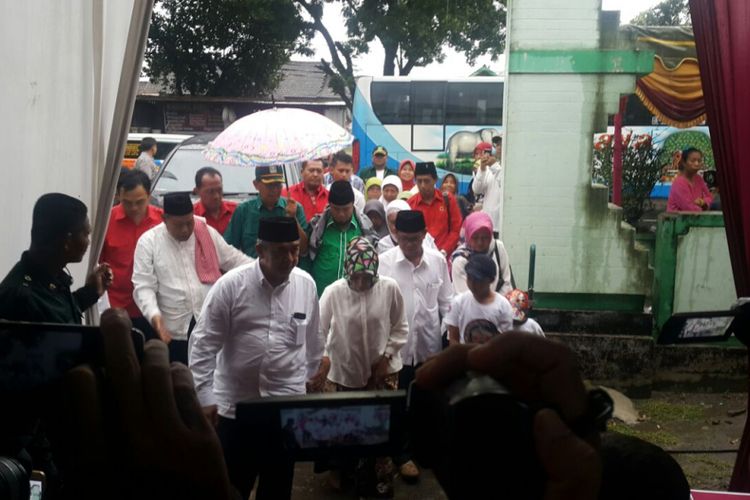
{"points": [[521, 304], [480, 313]]}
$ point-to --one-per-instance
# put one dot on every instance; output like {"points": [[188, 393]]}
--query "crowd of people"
{"points": [[295, 291]]}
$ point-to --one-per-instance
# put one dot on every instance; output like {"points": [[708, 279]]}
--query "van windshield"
{"points": [[179, 173]]}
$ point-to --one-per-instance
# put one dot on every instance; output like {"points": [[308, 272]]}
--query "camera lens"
{"points": [[14, 480]]}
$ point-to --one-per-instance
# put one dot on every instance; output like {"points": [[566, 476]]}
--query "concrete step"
{"points": [[635, 365], [604, 322]]}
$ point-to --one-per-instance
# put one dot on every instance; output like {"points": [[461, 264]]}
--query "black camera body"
{"points": [[476, 435], [478, 438]]}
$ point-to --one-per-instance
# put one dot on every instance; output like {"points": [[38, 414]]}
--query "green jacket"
{"points": [[242, 231], [327, 246]]}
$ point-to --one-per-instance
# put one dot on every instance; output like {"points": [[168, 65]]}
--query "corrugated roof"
{"points": [[301, 81]]}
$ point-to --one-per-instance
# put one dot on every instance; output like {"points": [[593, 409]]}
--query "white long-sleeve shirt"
{"points": [[489, 182], [254, 340], [360, 327], [165, 281], [427, 292], [359, 198], [386, 243]]}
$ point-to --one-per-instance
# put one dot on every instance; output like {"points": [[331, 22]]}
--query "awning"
{"points": [[672, 92]]}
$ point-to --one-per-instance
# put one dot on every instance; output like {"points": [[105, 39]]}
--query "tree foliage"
{"points": [[666, 13], [223, 47], [412, 32]]}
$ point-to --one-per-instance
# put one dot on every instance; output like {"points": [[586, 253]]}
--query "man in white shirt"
{"points": [[145, 162], [258, 336], [488, 181], [422, 275], [342, 169], [175, 265]]}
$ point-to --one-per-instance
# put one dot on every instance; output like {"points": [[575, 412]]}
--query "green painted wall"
{"points": [[581, 61], [691, 263], [703, 277]]}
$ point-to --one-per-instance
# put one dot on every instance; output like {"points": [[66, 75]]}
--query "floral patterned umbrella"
{"points": [[276, 136]]}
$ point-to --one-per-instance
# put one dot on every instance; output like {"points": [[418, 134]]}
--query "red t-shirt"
{"points": [[225, 215], [313, 204], [119, 252], [444, 229]]}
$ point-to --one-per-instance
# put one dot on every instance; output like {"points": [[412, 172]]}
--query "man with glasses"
{"points": [[424, 281]]}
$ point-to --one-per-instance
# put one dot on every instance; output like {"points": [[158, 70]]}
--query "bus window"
{"points": [[474, 103], [428, 100], [390, 102]]}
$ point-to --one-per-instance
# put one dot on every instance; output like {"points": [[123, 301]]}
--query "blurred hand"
{"points": [[317, 382], [211, 413], [161, 330], [100, 278], [380, 371], [149, 433], [534, 369], [291, 207]]}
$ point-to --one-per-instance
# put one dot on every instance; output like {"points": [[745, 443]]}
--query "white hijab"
{"points": [[390, 180]]}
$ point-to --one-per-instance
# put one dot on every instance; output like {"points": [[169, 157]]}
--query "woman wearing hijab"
{"points": [[406, 174], [376, 213], [373, 189], [362, 316], [449, 184], [390, 241], [478, 231], [390, 188]]}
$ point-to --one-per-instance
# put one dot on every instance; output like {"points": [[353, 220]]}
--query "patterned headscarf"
{"points": [[520, 302], [361, 257]]}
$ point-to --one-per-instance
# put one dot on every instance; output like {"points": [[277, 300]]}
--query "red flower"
{"points": [[643, 140]]}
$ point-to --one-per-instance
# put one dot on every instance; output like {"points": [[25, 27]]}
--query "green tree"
{"points": [[223, 47], [666, 13], [412, 32]]}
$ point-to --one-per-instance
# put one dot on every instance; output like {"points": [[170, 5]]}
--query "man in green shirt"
{"points": [[38, 286], [331, 231], [242, 231]]}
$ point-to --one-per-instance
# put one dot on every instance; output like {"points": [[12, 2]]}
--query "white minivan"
{"points": [[177, 174]]}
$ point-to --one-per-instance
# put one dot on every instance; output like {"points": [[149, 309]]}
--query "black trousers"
{"points": [[405, 377], [178, 349], [143, 325], [250, 454]]}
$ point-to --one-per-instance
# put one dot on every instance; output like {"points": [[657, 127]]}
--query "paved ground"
{"points": [[674, 421]]}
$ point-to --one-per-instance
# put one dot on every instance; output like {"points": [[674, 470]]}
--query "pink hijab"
{"points": [[474, 222]]}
